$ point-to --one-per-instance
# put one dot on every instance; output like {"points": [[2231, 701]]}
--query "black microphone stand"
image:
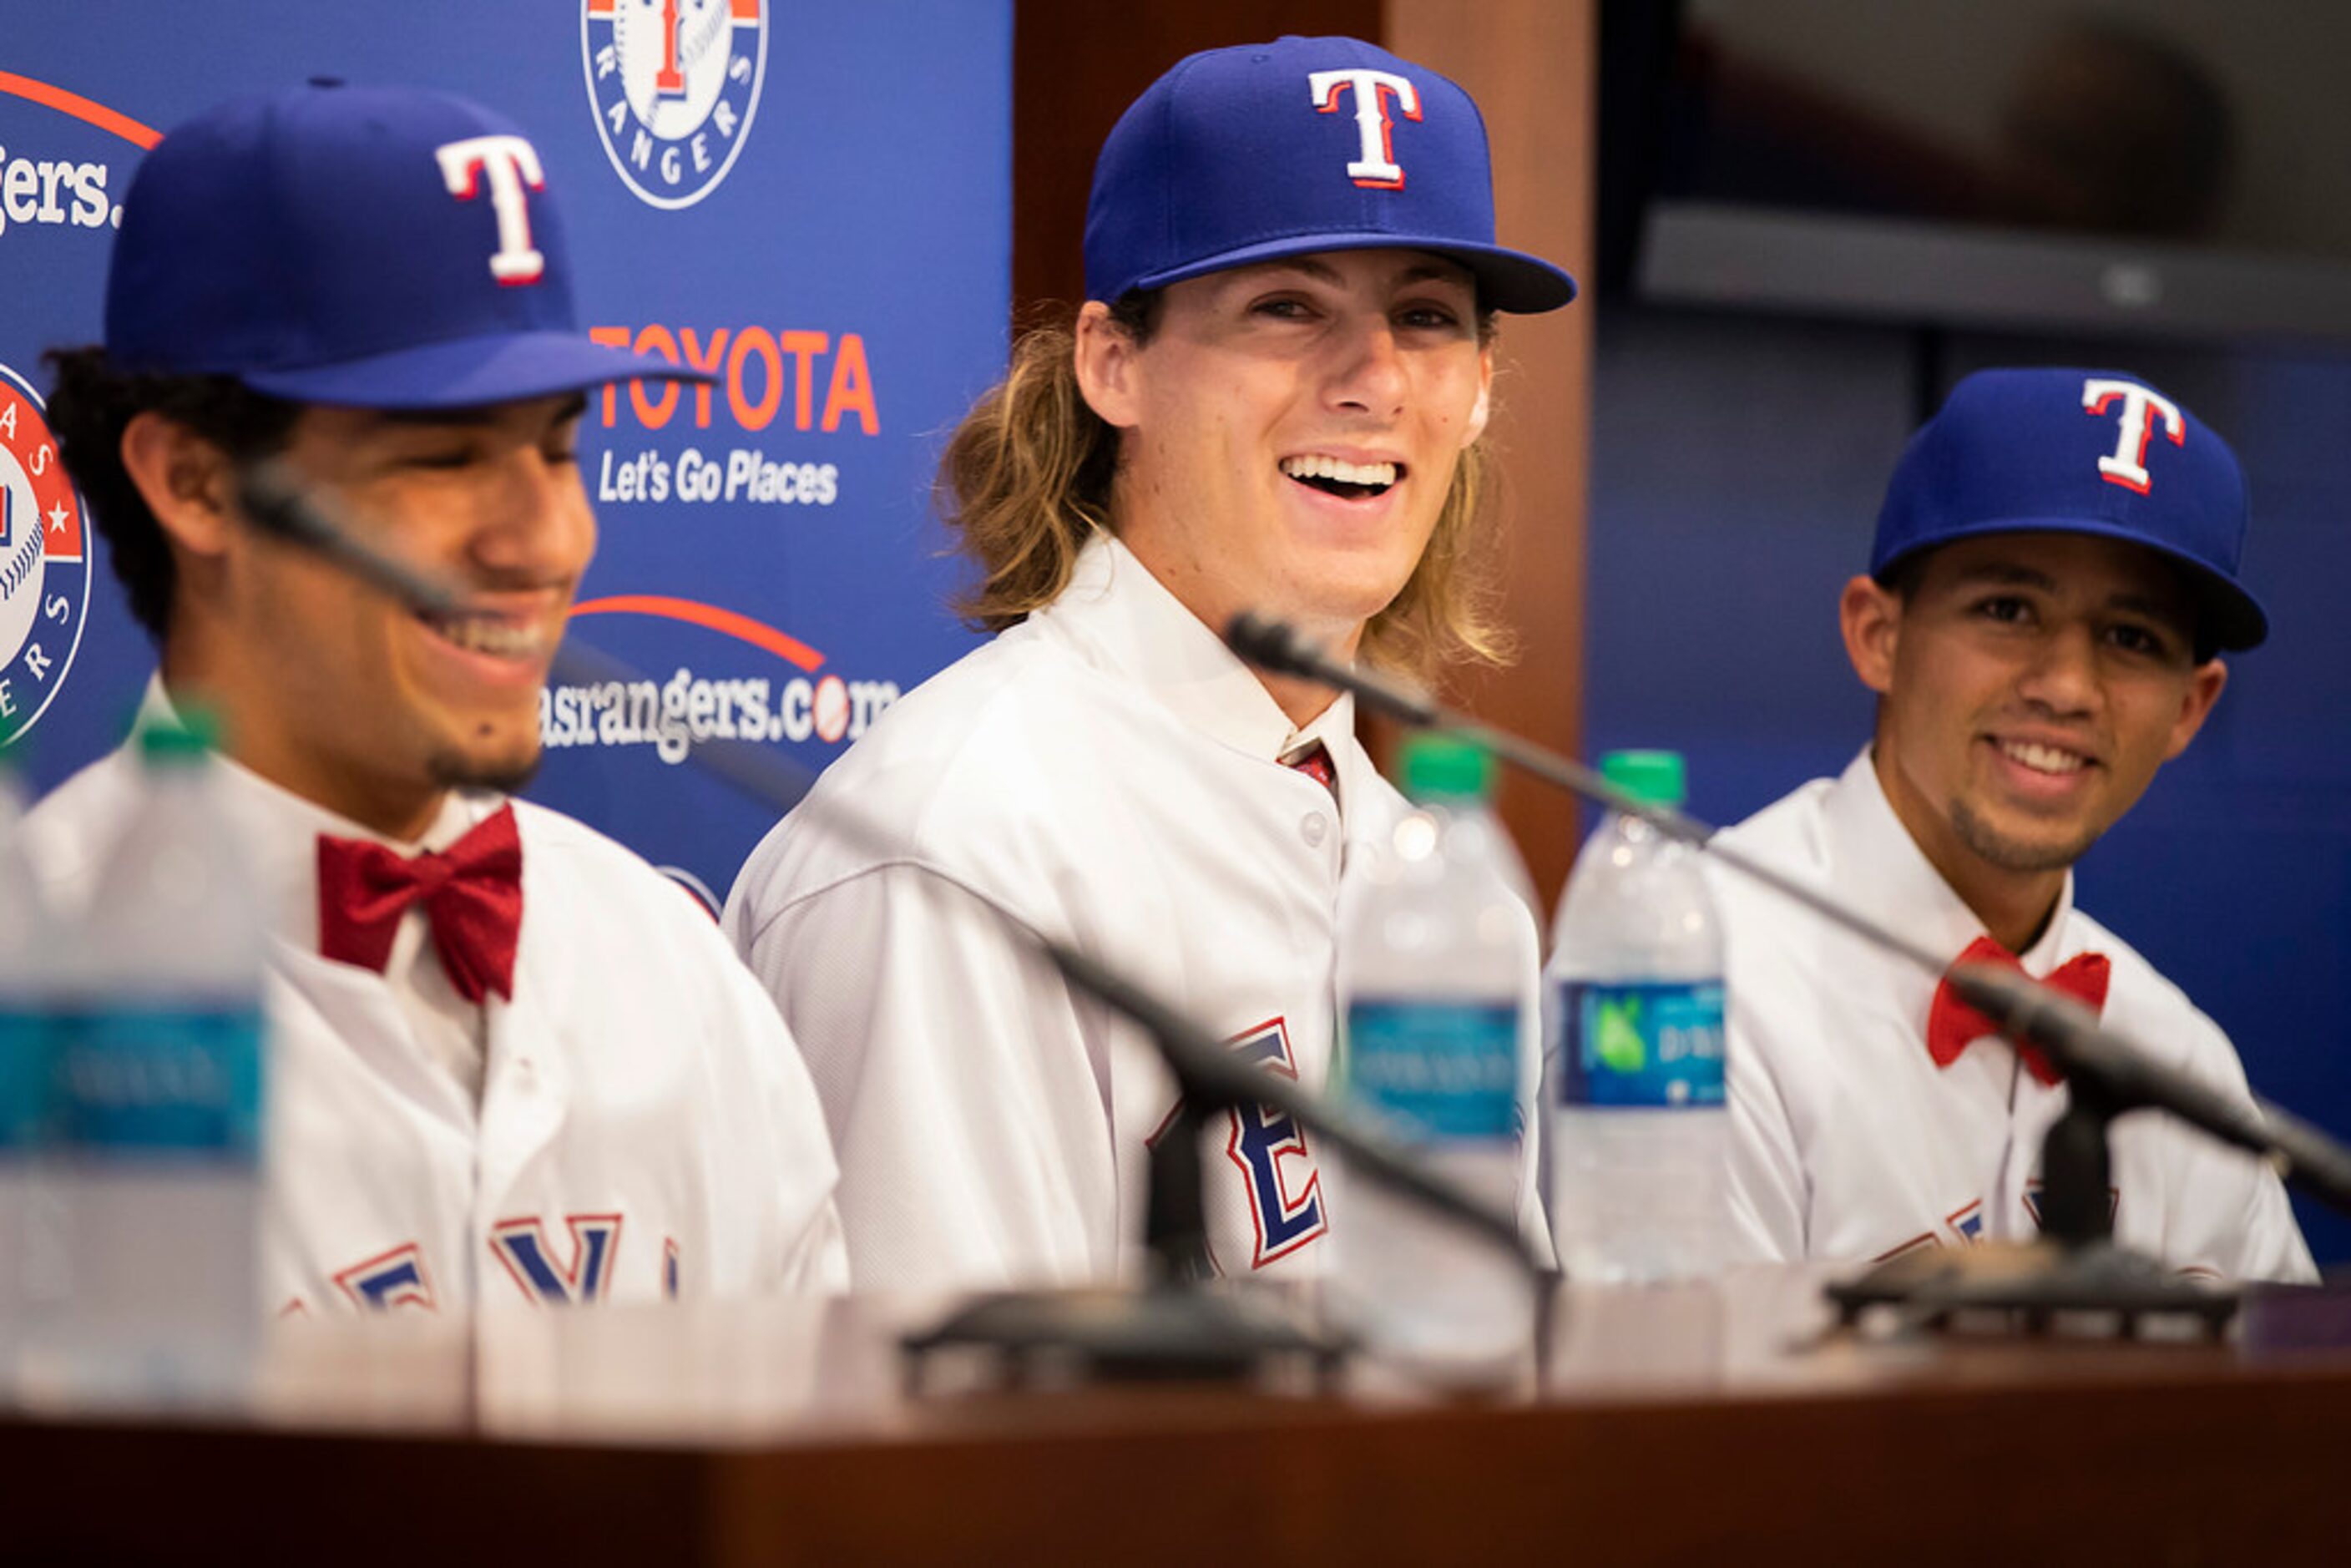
{"points": [[1174, 1326], [2075, 1267]]}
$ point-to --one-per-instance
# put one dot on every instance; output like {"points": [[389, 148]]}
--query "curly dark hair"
{"points": [[93, 402]]}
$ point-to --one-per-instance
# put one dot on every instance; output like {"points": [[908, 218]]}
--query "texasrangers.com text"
{"points": [[672, 715], [37, 193]]}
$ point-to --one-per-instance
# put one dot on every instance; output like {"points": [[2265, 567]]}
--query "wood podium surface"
{"points": [[1680, 1424]]}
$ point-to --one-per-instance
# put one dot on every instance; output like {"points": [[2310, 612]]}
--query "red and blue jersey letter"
{"points": [[521, 1244]]}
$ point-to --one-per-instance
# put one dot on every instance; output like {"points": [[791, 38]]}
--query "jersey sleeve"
{"points": [[1765, 1183], [816, 1257], [800, 1217], [1766, 1178], [2231, 1217], [963, 1084], [2272, 1247], [776, 1226], [2241, 1225]]}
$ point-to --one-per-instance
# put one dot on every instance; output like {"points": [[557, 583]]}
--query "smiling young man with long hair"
{"points": [[1271, 399]]}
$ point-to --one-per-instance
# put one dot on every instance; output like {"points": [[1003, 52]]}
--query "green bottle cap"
{"points": [[1651, 777], [195, 737], [1447, 767]]}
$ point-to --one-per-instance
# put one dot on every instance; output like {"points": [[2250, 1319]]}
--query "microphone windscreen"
{"points": [[1265, 643], [2022, 1005], [276, 505]]}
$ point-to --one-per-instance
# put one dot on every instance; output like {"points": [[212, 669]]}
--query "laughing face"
{"points": [[2030, 685], [348, 699], [1289, 431]]}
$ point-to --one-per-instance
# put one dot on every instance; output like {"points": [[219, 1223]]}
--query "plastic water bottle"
{"points": [[25, 948], [1437, 981], [1640, 1128], [156, 1099]]}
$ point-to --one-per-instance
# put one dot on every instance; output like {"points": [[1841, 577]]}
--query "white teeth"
{"points": [[2042, 758], [501, 639], [1317, 467]]}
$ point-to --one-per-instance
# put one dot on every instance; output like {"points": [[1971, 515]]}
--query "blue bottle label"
{"points": [[1642, 1043], [181, 1082], [24, 1080], [1446, 1069]]}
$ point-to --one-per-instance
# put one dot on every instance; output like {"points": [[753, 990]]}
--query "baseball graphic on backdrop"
{"points": [[674, 85], [44, 573], [23, 547], [673, 55]]}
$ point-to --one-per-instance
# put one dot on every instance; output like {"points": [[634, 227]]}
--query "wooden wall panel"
{"points": [[1076, 65], [1529, 64]]}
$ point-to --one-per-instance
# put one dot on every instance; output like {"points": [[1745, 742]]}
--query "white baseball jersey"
{"points": [[1848, 1140], [635, 1123], [1106, 772]]}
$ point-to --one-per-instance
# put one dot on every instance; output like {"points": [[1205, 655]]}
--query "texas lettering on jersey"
{"points": [[584, 1274], [1964, 1226], [576, 1270], [389, 1280], [1269, 1148], [1267, 1151]]}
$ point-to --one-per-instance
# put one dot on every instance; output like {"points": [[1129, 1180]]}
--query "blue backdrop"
{"points": [[818, 208]]}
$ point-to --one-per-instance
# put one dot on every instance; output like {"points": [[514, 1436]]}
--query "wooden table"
{"points": [[1685, 1423]]}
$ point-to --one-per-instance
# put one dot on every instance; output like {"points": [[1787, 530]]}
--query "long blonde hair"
{"points": [[1026, 480]]}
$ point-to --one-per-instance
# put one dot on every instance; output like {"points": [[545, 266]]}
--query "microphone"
{"points": [[2126, 1074], [1207, 1076], [2102, 1063], [1278, 647], [274, 499], [1275, 645]]}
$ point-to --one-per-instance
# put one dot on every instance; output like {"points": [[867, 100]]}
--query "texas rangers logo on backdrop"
{"points": [[674, 85], [44, 569]]}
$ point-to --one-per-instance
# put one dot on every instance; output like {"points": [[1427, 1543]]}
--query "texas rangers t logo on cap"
{"points": [[1376, 170], [510, 164], [2127, 464]]}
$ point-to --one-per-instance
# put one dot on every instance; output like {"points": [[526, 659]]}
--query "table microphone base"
{"points": [[1163, 1333], [2036, 1281]]}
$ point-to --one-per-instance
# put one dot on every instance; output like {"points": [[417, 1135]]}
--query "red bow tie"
{"points": [[472, 893], [1951, 1024]]}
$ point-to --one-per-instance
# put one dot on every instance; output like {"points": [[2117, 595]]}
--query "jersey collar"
{"points": [[1127, 621], [280, 830], [1875, 861]]}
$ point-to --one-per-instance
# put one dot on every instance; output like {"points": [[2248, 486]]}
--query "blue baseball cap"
{"points": [[1266, 151], [2077, 452], [377, 246]]}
